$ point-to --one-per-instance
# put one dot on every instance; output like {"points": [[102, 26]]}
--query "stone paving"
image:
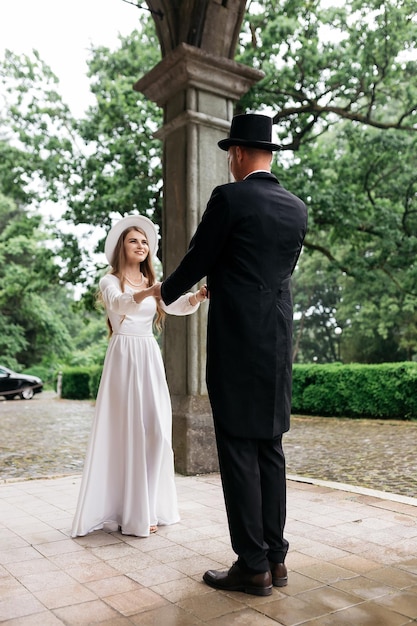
{"points": [[47, 436], [352, 558], [351, 562]]}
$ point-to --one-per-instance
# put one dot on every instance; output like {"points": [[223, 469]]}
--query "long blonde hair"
{"points": [[146, 267]]}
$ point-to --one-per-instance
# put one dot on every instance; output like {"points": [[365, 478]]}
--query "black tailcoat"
{"points": [[247, 244]]}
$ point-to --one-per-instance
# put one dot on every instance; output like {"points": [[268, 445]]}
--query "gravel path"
{"points": [[47, 436]]}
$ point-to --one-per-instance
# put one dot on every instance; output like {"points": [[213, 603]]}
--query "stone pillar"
{"points": [[197, 92]]}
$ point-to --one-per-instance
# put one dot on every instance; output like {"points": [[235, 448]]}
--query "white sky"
{"points": [[63, 31]]}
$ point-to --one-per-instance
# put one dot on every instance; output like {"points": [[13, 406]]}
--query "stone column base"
{"points": [[193, 437]]}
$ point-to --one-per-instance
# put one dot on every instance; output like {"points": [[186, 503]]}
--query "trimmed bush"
{"points": [[76, 383], [388, 390]]}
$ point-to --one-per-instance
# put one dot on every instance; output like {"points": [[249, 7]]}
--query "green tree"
{"points": [[340, 83], [30, 328], [324, 64], [120, 171], [363, 213]]}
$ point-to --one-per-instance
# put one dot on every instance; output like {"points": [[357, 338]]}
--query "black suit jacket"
{"points": [[247, 244]]}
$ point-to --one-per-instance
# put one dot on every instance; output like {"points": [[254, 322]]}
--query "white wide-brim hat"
{"points": [[139, 221]]}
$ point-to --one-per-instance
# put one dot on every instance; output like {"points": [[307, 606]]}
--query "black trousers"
{"points": [[254, 487]]}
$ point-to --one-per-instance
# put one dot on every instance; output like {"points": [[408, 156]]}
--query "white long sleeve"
{"points": [[181, 306]]}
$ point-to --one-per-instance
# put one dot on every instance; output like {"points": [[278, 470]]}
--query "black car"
{"points": [[22, 385]]}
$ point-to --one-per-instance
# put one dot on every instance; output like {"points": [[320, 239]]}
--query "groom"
{"points": [[247, 244]]}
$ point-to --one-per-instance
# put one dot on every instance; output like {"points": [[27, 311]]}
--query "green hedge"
{"points": [[76, 383], [385, 391]]}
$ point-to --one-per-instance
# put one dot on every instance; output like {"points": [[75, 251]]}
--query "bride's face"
{"points": [[136, 247]]}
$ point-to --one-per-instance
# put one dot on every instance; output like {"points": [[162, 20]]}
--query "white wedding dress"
{"points": [[128, 476]]}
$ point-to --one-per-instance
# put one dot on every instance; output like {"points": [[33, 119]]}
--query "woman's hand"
{"points": [[154, 290]]}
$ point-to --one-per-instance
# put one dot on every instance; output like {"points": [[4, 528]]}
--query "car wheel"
{"points": [[27, 394]]}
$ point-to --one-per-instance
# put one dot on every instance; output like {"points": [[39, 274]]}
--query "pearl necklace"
{"points": [[135, 284]]}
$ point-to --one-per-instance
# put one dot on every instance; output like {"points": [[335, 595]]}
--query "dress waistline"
{"points": [[131, 335]]}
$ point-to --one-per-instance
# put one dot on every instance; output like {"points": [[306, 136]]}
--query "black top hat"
{"points": [[251, 130]]}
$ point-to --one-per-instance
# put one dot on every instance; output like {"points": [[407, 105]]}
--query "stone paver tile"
{"points": [[113, 551], [214, 530], [290, 610], [245, 617], [211, 605], [112, 585], [44, 536], [156, 574], [299, 528], [27, 604], [116, 621], [403, 602], [326, 572], [169, 615], [179, 533], [132, 563], [74, 559], [132, 602], [256, 602], [407, 546], [205, 546], [226, 557], [48, 580], [296, 560], [324, 520], [377, 523], [15, 555], [328, 599], [297, 583], [195, 567], [174, 553], [356, 564], [86, 613], [35, 566], [177, 590], [28, 523], [409, 565], [363, 587], [13, 541], [365, 614], [54, 548], [65, 595], [88, 572], [323, 552], [10, 588], [46, 618], [393, 577], [380, 554], [96, 539]]}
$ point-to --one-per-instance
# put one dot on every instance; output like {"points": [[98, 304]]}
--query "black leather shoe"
{"points": [[279, 574], [238, 580]]}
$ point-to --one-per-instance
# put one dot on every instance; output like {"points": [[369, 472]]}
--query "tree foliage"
{"points": [[339, 81], [120, 171], [325, 63], [30, 292]]}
